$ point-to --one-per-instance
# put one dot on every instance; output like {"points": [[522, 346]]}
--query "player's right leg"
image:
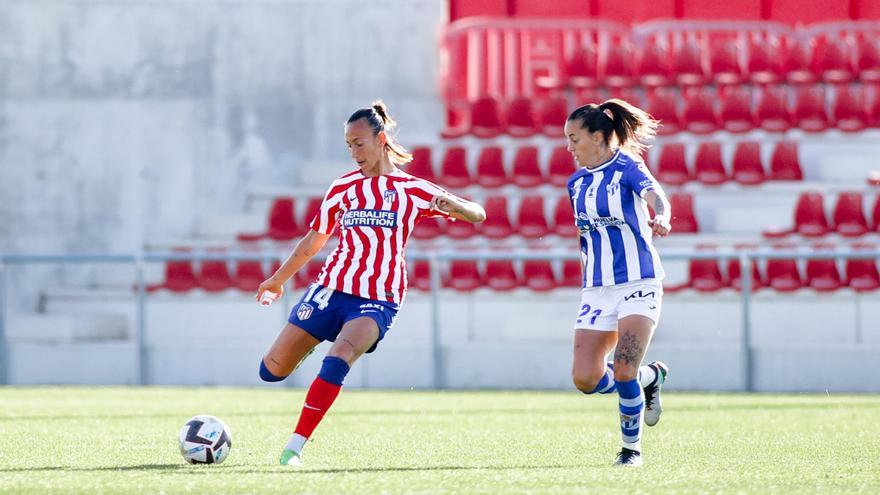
{"points": [[590, 373], [290, 348]]}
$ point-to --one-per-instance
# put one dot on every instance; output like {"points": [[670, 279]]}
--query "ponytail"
{"points": [[629, 125]]}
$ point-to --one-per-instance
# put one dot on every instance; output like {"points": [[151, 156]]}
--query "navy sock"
{"points": [[267, 375], [333, 370], [607, 384]]}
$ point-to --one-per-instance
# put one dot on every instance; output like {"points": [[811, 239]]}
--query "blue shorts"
{"points": [[322, 311]]}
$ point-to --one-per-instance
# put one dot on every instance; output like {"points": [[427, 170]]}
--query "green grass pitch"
{"points": [[124, 440]]}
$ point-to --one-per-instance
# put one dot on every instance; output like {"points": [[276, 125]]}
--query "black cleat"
{"points": [[653, 404], [629, 457]]}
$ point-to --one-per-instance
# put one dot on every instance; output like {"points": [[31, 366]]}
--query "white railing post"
{"points": [[143, 369], [4, 354], [746, 357], [436, 345]]}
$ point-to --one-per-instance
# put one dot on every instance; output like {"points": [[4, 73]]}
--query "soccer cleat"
{"points": [[290, 458], [653, 404], [629, 457]]}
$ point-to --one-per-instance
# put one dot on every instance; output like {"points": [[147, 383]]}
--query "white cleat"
{"points": [[653, 404]]}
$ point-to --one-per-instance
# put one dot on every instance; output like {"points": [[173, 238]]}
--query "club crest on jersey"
{"points": [[389, 195], [612, 188], [304, 311], [369, 218]]}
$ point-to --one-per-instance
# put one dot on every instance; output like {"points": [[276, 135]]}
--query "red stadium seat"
{"points": [[874, 109], [683, 219], [868, 63], [458, 120], [419, 277], [563, 218], [453, 170], [747, 166], [671, 166], [862, 275], [501, 275], [179, 277], [708, 167], [654, 67], [490, 167], [526, 171], [688, 65], [282, 223], [582, 69], [309, 273], [734, 275], [849, 216], [765, 57], [561, 166], [521, 121], [724, 61], [833, 61], [736, 109], [497, 224], [663, 106], [538, 275], [554, 112], [784, 164], [572, 274], [822, 275], [797, 65], [214, 276], [248, 275], [705, 275], [585, 96], [428, 228], [809, 215], [809, 109], [313, 207], [850, 112], [531, 222], [772, 110], [699, 115], [783, 275], [619, 65], [421, 165], [875, 215], [460, 229], [486, 120], [630, 95], [463, 275]]}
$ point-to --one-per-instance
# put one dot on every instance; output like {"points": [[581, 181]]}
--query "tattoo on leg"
{"points": [[628, 350]]}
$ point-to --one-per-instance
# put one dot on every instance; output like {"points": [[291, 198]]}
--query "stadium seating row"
{"points": [[848, 217], [700, 110], [746, 167], [703, 275]]}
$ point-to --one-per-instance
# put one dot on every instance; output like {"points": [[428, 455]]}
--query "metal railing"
{"points": [[434, 258]]}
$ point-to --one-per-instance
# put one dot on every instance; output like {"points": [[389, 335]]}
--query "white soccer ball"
{"points": [[205, 440]]}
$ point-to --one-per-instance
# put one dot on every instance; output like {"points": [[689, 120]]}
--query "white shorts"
{"points": [[601, 307]]}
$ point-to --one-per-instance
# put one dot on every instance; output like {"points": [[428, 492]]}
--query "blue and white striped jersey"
{"points": [[612, 218]]}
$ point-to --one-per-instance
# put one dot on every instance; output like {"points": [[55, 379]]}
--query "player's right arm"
{"points": [[305, 250]]}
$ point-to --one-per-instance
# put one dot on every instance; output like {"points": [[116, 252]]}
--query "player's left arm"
{"points": [[458, 208], [662, 212]]}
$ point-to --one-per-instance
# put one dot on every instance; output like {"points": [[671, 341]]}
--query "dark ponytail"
{"points": [[629, 125], [380, 120]]}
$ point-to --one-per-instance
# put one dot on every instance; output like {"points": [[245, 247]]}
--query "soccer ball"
{"points": [[205, 440]]}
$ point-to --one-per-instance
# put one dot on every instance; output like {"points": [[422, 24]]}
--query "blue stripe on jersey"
{"points": [[618, 250], [646, 261]]}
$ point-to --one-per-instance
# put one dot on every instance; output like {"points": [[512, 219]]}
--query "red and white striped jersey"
{"points": [[376, 216]]}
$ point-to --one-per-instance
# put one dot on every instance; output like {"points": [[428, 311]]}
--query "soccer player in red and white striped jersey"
{"points": [[356, 297]]}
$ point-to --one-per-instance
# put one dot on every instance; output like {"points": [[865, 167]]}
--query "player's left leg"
{"points": [[356, 337], [634, 336]]}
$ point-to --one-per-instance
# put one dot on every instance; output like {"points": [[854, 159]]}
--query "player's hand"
{"points": [[660, 226], [271, 284], [444, 203]]}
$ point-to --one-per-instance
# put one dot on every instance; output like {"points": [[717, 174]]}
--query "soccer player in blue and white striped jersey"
{"points": [[622, 273]]}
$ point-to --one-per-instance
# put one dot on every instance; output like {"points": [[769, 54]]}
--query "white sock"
{"points": [[646, 376], [296, 443], [637, 446]]}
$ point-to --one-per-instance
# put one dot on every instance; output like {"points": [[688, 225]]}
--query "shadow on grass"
{"points": [[139, 467]]}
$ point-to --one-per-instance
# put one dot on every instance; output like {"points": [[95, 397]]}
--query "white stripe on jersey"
{"points": [[629, 238], [605, 242], [643, 214]]}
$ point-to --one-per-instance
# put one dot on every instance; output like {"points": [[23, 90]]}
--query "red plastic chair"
{"points": [[531, 222], [724, 61], [699, 115], [490, 168], [563, 218], [833, 61], [772, 110], [619, 65], [747, 167], [797, 65], [308, 274], [419, 277], [708, 167], [683, 219], [687, 64], [458, 120], [421, 165], [572, 274], [849, 111], [521, 121], [561, 166], [736, 109], [822, 275], [809, 215], [453, 170], [313, 207], [849, 216], [501, 275], [282, 223], [654, 64], [497, 224], [214, 276], [554, 112], [179, 277], [765, 58], [862, 275], [582, 69], [868, 64], [526, 172], [783, 275], [875, 215], [705, 276], [458, 229], [809, 109], [486, 119], [734, 276], [784, 164], [428, 228], [538, 275], [663, 106], [248, 275], [463, 275], [671, 166]]}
